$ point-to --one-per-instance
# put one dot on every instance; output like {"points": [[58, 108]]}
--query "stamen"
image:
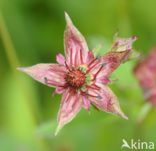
{"points": [[96, 86], [66, 65], [103, 65], [92, 62], [87, 94], [86, 91], [45, 78], [71, 61], [75, 78], [91, 87], [51, 82], [99, 97], [76, 57], [70, 94], [81, 57], [64, 96], [98, 57], [92, 67]]}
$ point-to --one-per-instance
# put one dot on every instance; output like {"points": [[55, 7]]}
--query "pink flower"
{"points": [[81, 77], [145, 72]]}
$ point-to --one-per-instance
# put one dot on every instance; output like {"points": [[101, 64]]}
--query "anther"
{"points": [[99, 97], [45, 78], [86, 91], [98, 57], [103, 64]]}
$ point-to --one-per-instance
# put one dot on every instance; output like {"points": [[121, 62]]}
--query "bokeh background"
{"points": [[31, 32]]}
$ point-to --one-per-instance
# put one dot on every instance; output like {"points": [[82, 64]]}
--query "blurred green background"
{"points": [[31, 32]]}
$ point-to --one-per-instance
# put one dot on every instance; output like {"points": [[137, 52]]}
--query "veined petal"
{"points": [[106, 100], [86, 102], [59, 90], [49, 74], [70, 106], [60, 59], [122, 44], [108, 63], [103, 80], [76, 48], [90, 56]]}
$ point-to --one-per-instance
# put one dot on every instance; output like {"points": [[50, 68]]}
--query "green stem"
{"points": [[9, 49], [14, 62], [12, 58]]}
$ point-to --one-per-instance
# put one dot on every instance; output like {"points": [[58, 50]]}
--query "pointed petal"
{"points": [[122, 44], [59, 90], [60, 59], [49, 74], [90, 56], [76, 48], [109, 62], [69, 108], [86, 102], [106, 100], [104, 80]]}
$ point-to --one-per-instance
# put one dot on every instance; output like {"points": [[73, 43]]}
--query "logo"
{"points": [[137, 144]]}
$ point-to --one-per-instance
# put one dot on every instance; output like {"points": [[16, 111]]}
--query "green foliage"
{"points": [[32, 32], [47, 129]]}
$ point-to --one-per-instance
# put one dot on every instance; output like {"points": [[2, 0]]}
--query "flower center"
{"points": [[75, 78]]}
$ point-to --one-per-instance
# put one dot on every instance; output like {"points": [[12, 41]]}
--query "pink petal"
{"points": [[49, 74], [106, 100], [145, 72], [86, 103], [144, 75], [60, 59], [103, 80], [90, 56], [107, 63], [151, 60], [122, 44], [59, 90], [69, 108], [76, 48]]}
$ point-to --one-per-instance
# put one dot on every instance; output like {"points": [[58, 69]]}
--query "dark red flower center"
{"points": [[75, 78]]}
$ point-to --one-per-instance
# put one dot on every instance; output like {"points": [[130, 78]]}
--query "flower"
{"points": [[145, 72], [81, 77]]}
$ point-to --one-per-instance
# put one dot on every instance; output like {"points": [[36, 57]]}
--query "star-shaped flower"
{"points": [[80, 76], [145, 72]]}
